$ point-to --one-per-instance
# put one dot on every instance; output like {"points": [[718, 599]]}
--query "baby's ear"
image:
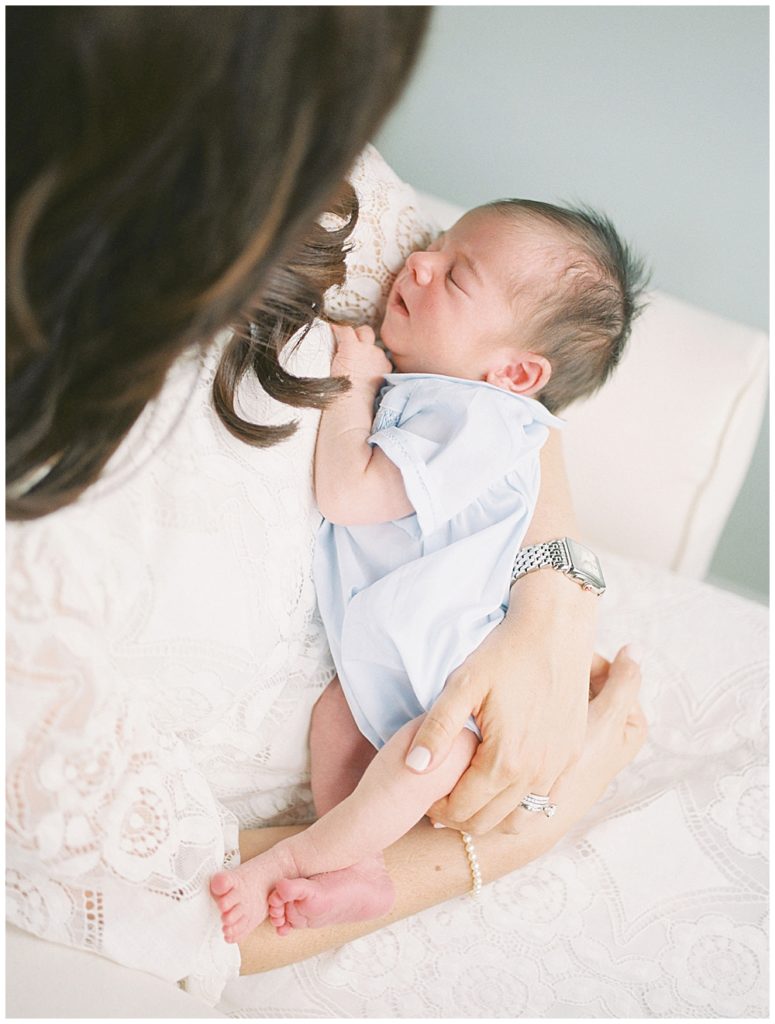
{"points": [[524, 375]]}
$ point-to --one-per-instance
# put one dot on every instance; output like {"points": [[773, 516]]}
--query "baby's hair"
{"points": [[585, 319]]}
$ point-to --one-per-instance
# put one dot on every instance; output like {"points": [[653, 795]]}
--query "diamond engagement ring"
{"points": [[533, 802]]}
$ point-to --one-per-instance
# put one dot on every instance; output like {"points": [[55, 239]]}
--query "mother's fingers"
{"points": [[619, 689], [486, 819], [474, 791], [522, 822], [598, 673], [504, 812], [468, 813], [637, 724]]}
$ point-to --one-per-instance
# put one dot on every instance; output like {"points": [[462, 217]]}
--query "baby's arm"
{"points": [[356, 483]]}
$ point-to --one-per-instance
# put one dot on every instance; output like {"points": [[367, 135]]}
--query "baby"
{"points": [[516, 311]]}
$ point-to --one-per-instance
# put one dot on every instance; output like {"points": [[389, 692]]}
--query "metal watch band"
{"points": [[539, 556], [567, 556]]}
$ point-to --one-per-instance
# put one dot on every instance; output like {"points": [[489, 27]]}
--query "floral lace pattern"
{"points": [[390, 226], [165, 651], [164, 654], [654, 906]]}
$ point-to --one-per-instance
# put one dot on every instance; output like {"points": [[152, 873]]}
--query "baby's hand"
{"points": [[358, 357]]}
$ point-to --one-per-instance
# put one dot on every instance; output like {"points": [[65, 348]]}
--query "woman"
{"points": [[166, 167]]}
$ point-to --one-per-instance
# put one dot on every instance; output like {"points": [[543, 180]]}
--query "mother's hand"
{"points": [[616, 731], [527, 686], [534, 731]]}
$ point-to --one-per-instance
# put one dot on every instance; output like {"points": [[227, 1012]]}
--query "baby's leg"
{"points": [[388, 801], [339, 752], [339, 755]]}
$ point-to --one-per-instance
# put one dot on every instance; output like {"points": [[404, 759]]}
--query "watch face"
{"points": [[585, 562]]}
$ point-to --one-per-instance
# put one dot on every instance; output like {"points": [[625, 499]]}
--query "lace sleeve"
{"points": [[112, 831]]}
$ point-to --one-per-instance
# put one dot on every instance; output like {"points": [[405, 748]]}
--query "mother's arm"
{"points": [[429, 866], [526, 685]]}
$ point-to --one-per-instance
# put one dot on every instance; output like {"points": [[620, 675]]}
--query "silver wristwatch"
{"points": [[565, 555]]}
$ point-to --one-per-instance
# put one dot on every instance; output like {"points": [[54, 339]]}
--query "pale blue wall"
{"points": [[658, 115]]}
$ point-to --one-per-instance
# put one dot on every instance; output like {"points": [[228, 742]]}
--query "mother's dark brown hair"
{"points": [[165, 168]]}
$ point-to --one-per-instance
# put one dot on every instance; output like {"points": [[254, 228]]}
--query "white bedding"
{"points": [[654, 906]]}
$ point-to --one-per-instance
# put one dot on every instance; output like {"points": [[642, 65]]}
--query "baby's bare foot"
{"points": [[241, 903], [359, 893], [242, 894]]}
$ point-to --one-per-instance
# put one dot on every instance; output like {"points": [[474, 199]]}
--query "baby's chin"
{"points": [[385, 334], [403, 364]]}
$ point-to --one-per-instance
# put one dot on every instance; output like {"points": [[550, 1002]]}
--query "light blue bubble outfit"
{"points": [[405, 602]]}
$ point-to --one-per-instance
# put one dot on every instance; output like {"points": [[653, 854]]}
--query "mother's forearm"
{"points": [[554, 515], [545, 600], [428, 866]]}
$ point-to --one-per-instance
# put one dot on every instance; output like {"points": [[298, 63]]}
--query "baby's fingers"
{"points": [[344, 333]]}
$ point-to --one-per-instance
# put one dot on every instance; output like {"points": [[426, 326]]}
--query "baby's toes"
{"points": [[221, 883], [294, 917], [231, 899], [290, 889], [233, 916], [234, 932], [280, 926]]}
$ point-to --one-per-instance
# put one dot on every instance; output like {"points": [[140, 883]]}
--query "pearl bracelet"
{"points": [[473, 863]]}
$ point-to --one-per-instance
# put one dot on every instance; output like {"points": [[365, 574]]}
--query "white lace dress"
{"points": [[164, 653]]}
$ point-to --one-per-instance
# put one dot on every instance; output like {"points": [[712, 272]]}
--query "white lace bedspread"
{"points": [[654, 906]]}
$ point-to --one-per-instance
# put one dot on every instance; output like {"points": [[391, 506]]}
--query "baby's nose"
{"points": [[421, 265]]}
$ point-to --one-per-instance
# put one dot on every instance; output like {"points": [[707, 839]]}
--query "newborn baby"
{"points": [[519, 309]]}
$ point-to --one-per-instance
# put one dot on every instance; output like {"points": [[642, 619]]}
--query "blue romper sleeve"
{"points": [[453, 439]]}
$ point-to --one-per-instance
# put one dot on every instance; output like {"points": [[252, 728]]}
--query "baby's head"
{"points": [[530, 297]]}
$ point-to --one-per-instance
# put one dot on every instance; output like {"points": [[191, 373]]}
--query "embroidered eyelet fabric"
{"points": [[164, 653]]}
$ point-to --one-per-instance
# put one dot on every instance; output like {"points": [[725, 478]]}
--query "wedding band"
{"points": [[534, 802]]}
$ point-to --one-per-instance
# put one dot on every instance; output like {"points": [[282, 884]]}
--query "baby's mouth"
{"points": [[398, 302]]}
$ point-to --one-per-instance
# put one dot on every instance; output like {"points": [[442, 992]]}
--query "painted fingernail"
{"points": [[418, 759]]}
